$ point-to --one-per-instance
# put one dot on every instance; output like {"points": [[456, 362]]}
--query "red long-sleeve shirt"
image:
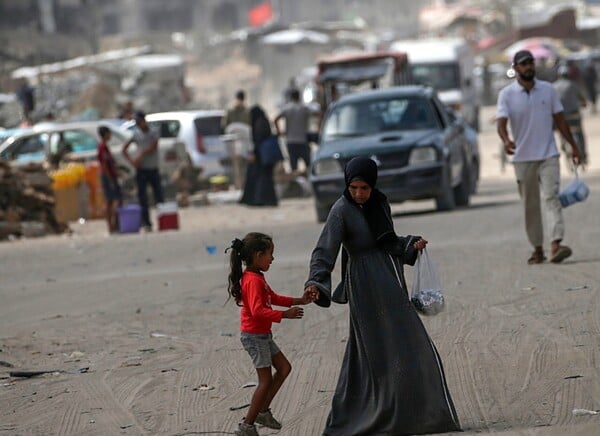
{"points": [[257, 315]]}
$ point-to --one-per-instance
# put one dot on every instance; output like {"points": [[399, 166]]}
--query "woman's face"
{"points": [[359, 191]]}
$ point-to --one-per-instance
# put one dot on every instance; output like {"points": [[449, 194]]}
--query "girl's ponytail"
{"points": [[234, 287]]}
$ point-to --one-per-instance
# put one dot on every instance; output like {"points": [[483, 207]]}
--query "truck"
{"points": [[343, 73], [445, 64]]}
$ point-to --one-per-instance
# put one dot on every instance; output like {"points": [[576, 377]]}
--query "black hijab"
{"points": [[259, 123], [375, 209]]}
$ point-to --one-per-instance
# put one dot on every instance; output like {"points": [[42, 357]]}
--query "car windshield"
{"points": [[368, 117], [439, 76], [166, 128]]}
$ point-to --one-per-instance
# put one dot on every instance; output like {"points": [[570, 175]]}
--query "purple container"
{"points": [[130, 218]]}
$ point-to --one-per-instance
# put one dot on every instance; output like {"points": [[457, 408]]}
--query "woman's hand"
{"points": [[420, 244], [311, 294]]}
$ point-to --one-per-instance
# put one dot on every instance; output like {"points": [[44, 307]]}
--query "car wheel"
{"points": [[445, 198], [322, 213], [463, 190], [474, 176]]}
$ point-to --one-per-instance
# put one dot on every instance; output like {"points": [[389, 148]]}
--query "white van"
{"points": [[446, 64]]}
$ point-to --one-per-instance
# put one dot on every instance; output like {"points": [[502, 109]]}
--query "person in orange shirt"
{"points": [[250, 290]]}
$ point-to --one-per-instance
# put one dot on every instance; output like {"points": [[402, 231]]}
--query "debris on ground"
{"points": [[27, 204], [583, 412]]}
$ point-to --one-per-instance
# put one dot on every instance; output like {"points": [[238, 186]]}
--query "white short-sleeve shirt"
{"points": [[530, 116]]}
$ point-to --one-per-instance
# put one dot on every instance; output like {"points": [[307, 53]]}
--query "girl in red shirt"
{"points": [[250, 290]]}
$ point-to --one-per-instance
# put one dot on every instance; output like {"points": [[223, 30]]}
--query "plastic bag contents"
{"points": [[426, 294], [576, 190]]}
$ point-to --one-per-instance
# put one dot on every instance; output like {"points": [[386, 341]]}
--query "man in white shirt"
{"points": [[533, 108]]}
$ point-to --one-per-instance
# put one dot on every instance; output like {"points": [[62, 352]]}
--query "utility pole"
{"points": [[47, 21]]}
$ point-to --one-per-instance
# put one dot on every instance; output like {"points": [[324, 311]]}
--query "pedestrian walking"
{"points": [[572, 99], [287, 91], [296, 116], [391, 381], [590, 77], [237, 122], [238, 113], [26, 97], [250, 290], [145, 163], [259, 187], [533, 107], [110, 179]]}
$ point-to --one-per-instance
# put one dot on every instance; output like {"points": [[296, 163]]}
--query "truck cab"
{"points": [[344, 73], [445, 64]]}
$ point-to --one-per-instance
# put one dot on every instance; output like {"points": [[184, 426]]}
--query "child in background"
{"points": [[109, 178], [250, 290]]}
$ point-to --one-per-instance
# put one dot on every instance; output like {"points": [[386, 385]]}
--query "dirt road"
{"points": [[139, 328]]}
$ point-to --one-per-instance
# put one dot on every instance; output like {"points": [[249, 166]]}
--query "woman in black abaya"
{"points": [[259, 188], [391, 381]]}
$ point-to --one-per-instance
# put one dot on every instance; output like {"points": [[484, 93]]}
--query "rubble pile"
{"points": [[27, 202]]}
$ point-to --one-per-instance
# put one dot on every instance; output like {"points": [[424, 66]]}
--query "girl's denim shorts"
{"points": [[260, 347]]}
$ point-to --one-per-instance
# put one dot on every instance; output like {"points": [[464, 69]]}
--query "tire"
{"points": [[322, 213], [463, 191], [474, 176], [445, 199]]}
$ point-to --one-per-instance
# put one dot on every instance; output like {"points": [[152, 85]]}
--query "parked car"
{"points": [[199, 131], [7, 133], [422, 149], [37, 144]]}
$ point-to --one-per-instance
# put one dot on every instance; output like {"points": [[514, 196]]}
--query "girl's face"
{"points": [[359, 191], [262, 260]]}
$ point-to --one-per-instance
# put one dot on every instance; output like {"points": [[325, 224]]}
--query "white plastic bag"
{"points": [[426, 294], [576, 190]]}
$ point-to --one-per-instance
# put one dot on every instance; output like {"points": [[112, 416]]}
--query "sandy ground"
{"points": [[142, 341]]}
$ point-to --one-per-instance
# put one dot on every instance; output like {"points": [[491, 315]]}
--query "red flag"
{"points": [[261, 14]]}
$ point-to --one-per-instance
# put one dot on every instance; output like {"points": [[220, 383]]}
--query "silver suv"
{"points": [[200, 132]]}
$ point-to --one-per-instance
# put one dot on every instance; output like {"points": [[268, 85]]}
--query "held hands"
{"points": [[311, 294]]}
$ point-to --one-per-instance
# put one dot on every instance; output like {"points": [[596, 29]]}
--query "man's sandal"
{"points": [[536, 257], [561, 254]]}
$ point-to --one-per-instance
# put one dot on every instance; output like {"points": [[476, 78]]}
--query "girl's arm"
{"points": [[310, 296], [254, 296]]}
